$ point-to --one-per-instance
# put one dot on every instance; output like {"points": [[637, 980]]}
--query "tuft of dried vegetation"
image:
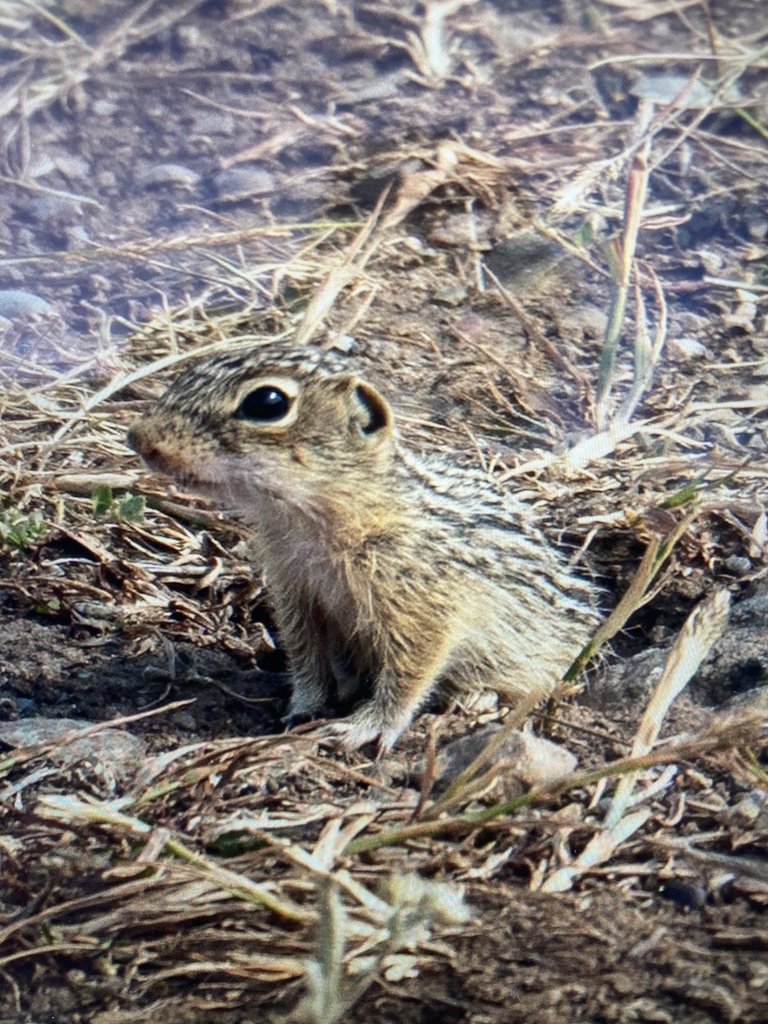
{"points": [[560, 274]]}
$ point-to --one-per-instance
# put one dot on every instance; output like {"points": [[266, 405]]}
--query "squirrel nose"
{"points": [[142, 443], [133, 438], [154, 454]]}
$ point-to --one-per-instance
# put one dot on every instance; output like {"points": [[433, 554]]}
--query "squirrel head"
{"points": [[244, 431]]}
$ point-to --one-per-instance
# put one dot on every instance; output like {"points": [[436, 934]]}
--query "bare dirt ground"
{"points": [[447, 193]]}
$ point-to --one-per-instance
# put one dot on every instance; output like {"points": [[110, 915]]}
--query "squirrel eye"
{"points": [[265, 404]]}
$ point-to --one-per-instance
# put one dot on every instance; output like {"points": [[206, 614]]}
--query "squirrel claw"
{"points": [[351, 736], [297, 719]]}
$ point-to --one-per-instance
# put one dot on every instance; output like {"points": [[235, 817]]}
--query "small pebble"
{"points": [[739, 565], [242, 182], [113, 754], [188, 37], [15, 302], [689, 348], [533, 760], [105, 108], [668, 88], [74, 167], [169, 174]]}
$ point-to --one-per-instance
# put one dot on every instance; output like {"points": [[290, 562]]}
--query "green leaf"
{"points": [[131, 507], [18, 531], [102, 499], [583, 234]]}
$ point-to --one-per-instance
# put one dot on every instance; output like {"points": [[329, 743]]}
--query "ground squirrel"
{"points": [[388, 572]]}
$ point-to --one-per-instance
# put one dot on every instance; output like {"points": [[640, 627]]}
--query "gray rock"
{"points": [[15, 302], [530, 759], [243, 182]]}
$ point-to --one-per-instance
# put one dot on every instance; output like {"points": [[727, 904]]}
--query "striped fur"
{"points": [[389, 572]]}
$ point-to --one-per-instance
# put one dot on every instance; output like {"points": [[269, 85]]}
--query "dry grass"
{"points": [[247, 863]]}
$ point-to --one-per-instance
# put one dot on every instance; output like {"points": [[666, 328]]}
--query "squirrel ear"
{"points": [[371, 413]]}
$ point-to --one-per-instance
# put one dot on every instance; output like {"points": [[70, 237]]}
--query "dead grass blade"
{"points": [[637, 190], [694, 642], [597, 851], [727, 732], [659, 548], [647, 353], [70, 809], [348, 269], [414, 906], [702, 628]]}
